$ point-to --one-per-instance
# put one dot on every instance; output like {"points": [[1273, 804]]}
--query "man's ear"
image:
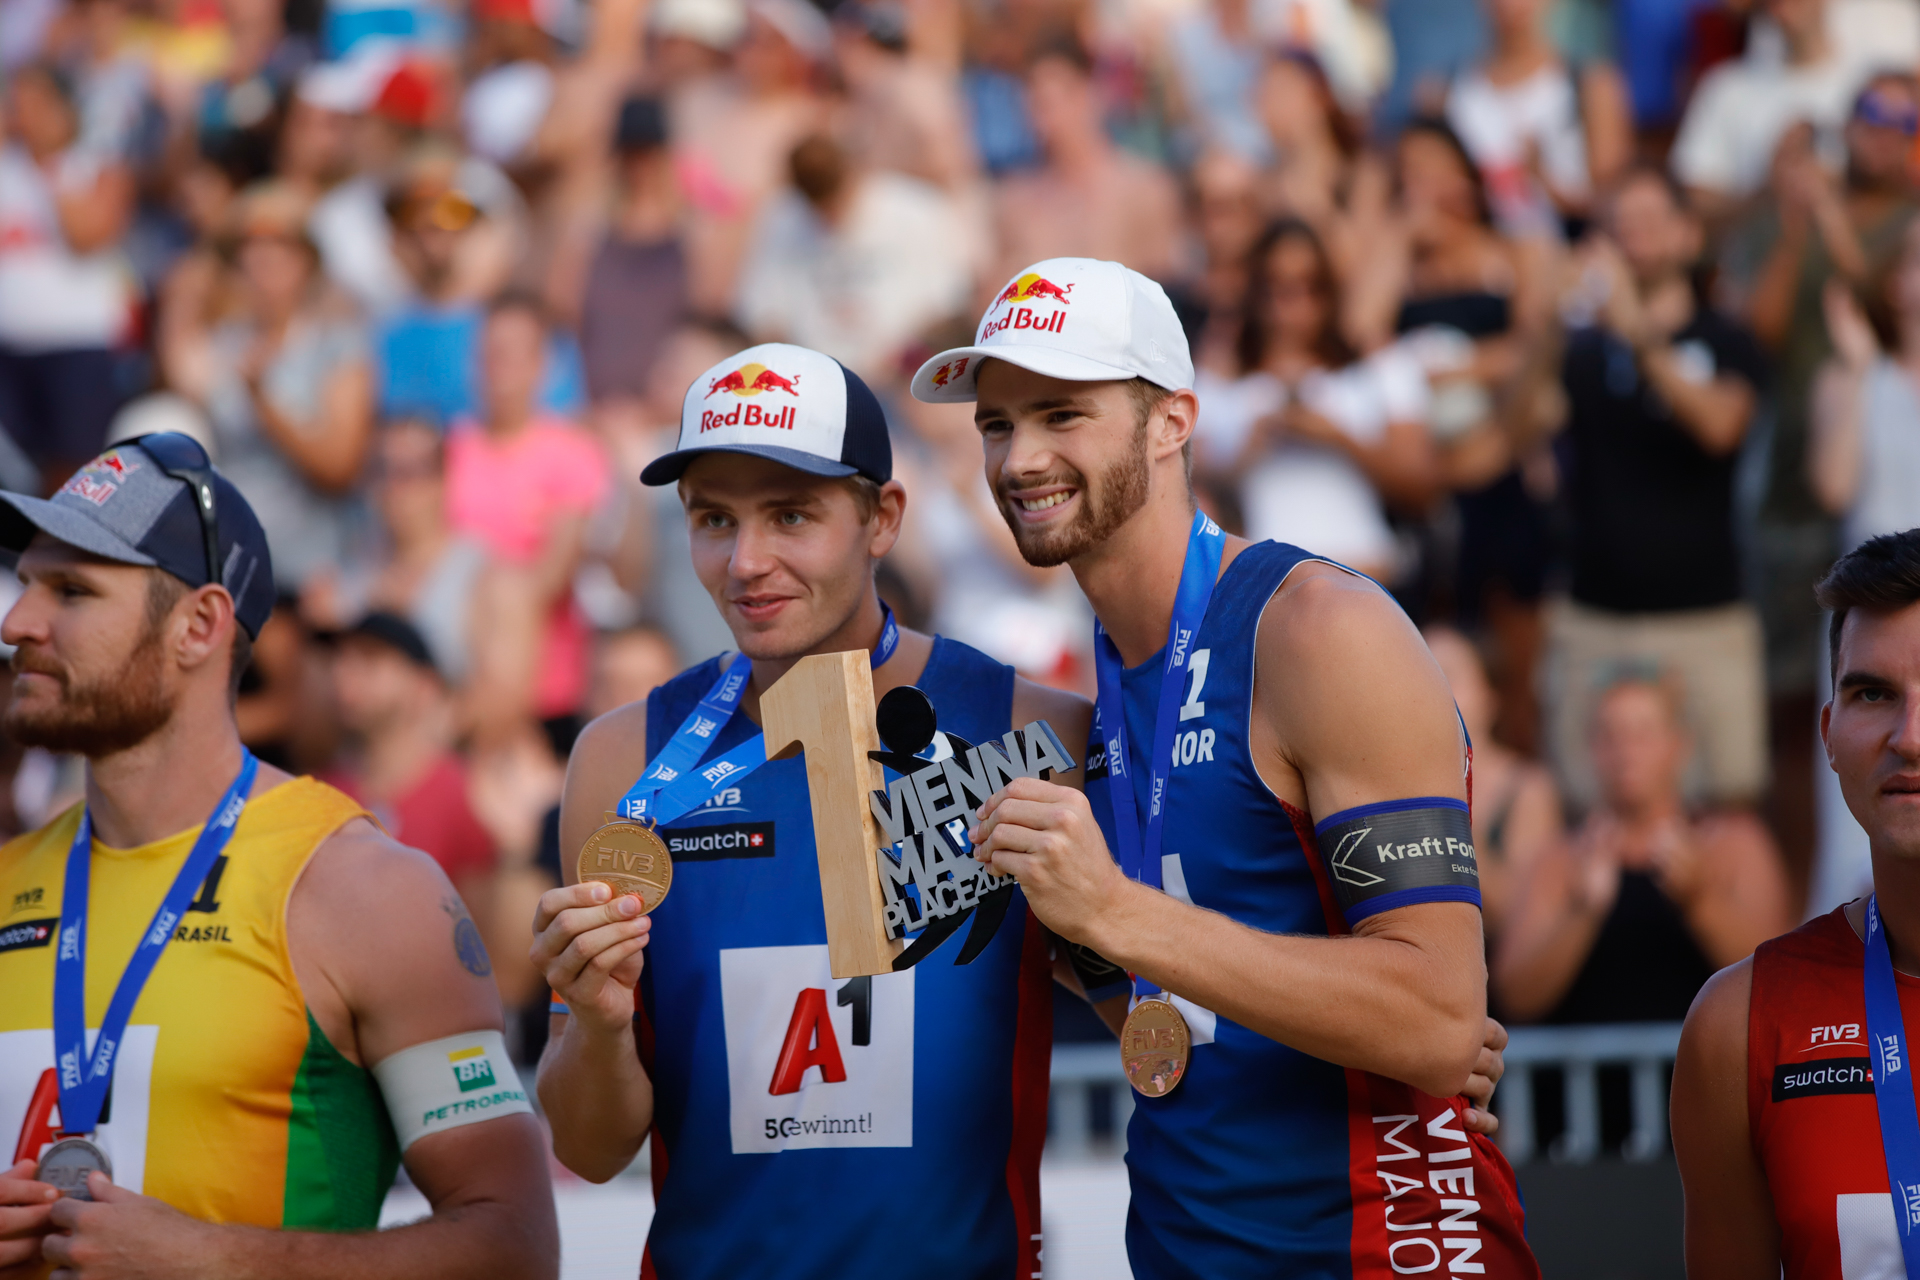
{"points": [[1178, 415], [201, 627], [888, 516], [1826, 722]]}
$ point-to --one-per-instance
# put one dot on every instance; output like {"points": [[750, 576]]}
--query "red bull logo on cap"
{"points": [[97, 481], [950, 370], [1028, 288], [747, 381], [1033, 288]]}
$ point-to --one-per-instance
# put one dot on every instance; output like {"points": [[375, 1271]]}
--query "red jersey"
{"points": [[1810, 1103]]}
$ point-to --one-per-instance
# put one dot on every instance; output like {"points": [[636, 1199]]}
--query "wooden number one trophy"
{"points": [[825, 706]]}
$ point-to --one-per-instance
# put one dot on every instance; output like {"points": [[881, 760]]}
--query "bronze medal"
{"points": [[628, 857], [1154, 1047], [67, 1163]]}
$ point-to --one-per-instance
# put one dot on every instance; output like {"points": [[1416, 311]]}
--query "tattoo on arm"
{"points": [[472, 952]]}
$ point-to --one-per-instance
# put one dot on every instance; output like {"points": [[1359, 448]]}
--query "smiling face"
{"points": [[1872, 726], [1070, 462], [787, 557]]}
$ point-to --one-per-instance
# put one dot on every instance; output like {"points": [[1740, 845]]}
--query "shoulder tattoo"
{"points": [[467, 944]]}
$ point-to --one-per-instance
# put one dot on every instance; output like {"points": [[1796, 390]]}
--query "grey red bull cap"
{"points": [[790, 404], [124, 506], [1080, 319]]}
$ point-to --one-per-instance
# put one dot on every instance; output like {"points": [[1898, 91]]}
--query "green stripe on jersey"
{"points": [[341, 1149]]}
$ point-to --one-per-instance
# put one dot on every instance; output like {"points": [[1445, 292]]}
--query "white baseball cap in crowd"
{"points": [[791, 404], [1079, 319]]}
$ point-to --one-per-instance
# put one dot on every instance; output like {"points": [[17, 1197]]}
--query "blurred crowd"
{"points": [[1591, 328]]}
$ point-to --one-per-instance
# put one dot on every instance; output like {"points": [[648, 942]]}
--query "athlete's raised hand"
{"points": [[590, 947], [24, 1205], [1045, 836]]}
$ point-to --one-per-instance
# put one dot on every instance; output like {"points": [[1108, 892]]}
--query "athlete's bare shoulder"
{"points": [[1070, 715], [384, 949], [1716, 1027], [1347, 697]]}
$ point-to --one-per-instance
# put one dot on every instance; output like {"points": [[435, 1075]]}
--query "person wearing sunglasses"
{"points": [[217, 1040]]}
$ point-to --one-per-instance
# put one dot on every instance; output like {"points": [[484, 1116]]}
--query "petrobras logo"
{"points": [[950, 370], [748, 381], [471, 1069]]}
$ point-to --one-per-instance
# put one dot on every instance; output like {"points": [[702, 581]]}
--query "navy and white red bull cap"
{"points": [[790, 404], [1079, 319], [126, 507]]}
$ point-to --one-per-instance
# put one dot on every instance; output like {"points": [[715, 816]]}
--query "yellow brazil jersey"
{"points": [[227, 1102]]}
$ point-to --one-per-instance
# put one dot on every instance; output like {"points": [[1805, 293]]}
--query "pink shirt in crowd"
{"points": [[508, 494]]}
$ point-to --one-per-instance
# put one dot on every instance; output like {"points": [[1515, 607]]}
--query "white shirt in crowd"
{"points": [[1307, 494], [1505, 126], [897, 263], [51, 298]]}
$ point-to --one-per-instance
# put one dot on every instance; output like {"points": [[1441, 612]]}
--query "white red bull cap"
{"points": [[790, 404], [1080, 319]]}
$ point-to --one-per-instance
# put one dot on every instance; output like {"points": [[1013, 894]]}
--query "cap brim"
{"points": [[21, 516], [1049, 362], [669, 467]]}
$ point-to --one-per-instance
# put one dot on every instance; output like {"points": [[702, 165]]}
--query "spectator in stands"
{"points": [[1431, 264], [1655, 391], [1214, 54], [401, 763], [1315, 147], [1776, 266], [523, 482], [1864, 458], [903, 110], [459, 230], [1516, 807], [424, 572], [1224, 199], [65, 300], [287, 385], [635, 291], [853, 261], [1546, 135], [1742, 109], [628, 665], [1625, 921], [1089, 198], [1320, 437], [733, 135]]}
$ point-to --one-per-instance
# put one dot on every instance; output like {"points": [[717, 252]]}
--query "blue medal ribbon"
{"points": [[84, 1081], [1139, 851], [672, 787], [1893, 1087]]}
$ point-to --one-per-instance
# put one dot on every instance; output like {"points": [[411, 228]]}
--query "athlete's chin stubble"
{"points": [[1105, 506], [100, 717]]}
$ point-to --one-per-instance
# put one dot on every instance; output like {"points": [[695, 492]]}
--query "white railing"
{"points": [[1645, 1048]]}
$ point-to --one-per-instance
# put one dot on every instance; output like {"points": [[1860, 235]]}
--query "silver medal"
{"points": [[67, 1163]]}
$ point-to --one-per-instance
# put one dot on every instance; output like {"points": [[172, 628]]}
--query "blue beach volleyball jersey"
{"points": [[811, 1127], [1264, 1161]]}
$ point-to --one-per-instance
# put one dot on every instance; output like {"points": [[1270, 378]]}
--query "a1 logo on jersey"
{"points": [[815, 1061]]}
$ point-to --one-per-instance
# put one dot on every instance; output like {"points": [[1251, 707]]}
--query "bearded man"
{"points": [[230, 1005]]}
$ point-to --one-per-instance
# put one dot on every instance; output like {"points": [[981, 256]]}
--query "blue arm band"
{"points": [[1399, 852]]}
